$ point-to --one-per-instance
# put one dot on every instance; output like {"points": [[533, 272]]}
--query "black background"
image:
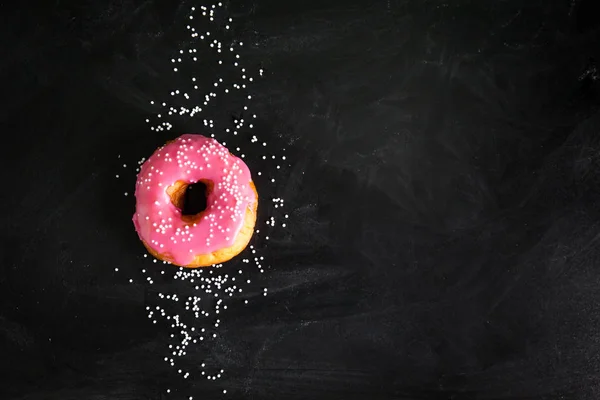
{"points": [[442, 187]]}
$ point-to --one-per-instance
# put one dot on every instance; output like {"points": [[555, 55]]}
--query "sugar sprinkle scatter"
{"points": [[194, 314]]}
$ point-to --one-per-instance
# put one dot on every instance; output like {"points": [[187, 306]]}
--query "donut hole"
{"points": [[190, 199], [194, 199]]}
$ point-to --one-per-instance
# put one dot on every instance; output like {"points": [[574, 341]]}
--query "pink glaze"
{"points": [[191, 158]]}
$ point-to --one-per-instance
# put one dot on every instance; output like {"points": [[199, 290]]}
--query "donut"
{"points": [[211, 236]]}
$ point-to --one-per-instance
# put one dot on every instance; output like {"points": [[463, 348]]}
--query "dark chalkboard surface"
{"points": [[429, 180]]}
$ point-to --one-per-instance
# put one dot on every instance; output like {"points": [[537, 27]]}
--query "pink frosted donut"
{"points": [[216, 234]]}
